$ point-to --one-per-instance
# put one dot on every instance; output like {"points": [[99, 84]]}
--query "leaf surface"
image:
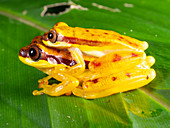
{"points": [[145, 107]]}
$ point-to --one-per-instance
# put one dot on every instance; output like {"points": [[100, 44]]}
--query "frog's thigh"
{"points": [[117, 61], [121, 82], [68, 83]]}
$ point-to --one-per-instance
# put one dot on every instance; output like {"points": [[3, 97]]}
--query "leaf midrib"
{"points": [[25, 21]]}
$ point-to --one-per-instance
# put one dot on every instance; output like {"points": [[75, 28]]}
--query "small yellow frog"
{"points": [[95, 42], [90, 63]]}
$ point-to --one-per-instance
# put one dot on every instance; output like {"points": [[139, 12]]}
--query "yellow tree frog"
{"points": [[88, 67], [94, 42]]}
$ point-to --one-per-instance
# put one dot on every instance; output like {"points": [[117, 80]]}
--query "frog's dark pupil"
{"points": [[50, 35], [32, 52]]}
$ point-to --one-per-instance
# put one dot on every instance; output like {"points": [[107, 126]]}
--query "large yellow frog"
{"points": [[90, 63]]}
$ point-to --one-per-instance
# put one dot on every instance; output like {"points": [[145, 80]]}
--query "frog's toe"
{"points": [[36, 92], [45, 79], [150, 60]]}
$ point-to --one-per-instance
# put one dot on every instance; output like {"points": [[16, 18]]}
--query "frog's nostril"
{"points": [[23, 53]]}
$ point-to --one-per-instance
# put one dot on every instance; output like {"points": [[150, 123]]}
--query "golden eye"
{"points": [[51, 36], [34, 53]]}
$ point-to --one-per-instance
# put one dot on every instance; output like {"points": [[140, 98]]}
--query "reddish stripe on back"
{"points": [[72, 40]]}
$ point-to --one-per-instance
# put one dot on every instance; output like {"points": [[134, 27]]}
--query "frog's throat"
{"points": [[37, 64]]}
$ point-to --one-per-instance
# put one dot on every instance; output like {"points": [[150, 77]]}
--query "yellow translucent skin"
{"points": [[114, 65]]}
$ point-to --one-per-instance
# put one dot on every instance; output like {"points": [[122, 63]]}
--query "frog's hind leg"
{"points": [[101, 84], [117, 61], [123, 81], [68, 83], [115, 83]]}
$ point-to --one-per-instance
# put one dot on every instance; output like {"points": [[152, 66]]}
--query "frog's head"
{"points": [[56, 35], [40, 56]]}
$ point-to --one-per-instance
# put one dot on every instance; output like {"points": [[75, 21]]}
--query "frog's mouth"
{"points": [[35, 56]]}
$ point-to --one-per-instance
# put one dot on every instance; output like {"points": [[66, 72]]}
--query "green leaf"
{"points": [[145, 107]]}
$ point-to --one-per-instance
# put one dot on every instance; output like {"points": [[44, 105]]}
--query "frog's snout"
{"points": [[23, 52]]}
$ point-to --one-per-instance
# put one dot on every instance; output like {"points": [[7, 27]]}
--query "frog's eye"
{"points": [[34, 53], [52, 36]]}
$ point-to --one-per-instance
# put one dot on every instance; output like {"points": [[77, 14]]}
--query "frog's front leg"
{"points": [[80, 66], [45, 79], [68, 83]]}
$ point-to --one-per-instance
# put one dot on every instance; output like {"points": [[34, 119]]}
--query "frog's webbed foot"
{"points": [[68, 83]]}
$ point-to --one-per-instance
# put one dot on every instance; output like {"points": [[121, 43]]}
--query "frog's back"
{"points": [[97, 37]]}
